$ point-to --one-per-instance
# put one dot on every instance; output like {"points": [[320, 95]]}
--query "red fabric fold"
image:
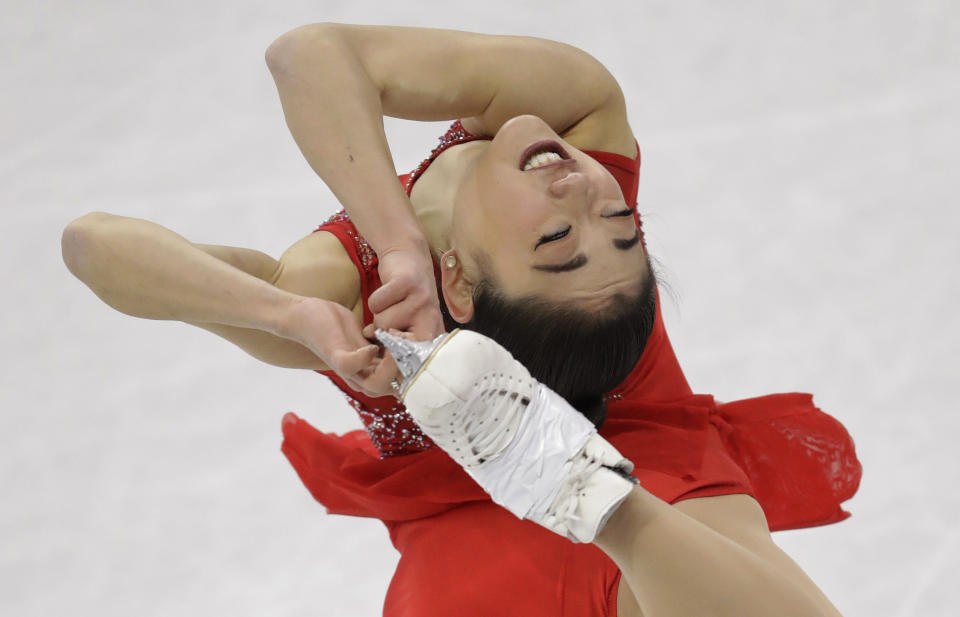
{"points": [[798, 462], [801, 462], [346, 474]]}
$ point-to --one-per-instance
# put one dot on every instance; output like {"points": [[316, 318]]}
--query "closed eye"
{"points": [[552, 237], [627, 212]]}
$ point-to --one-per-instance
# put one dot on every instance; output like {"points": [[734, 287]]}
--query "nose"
{"points": [[573, 185]]}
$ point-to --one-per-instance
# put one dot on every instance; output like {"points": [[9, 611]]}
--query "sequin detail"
{"points": [[454, 136], [368, 257], [391, 429]]}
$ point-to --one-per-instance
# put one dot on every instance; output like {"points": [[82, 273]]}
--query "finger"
{"points": [[410, 336], [370, 331], [381, 377], [347, 363], [399, 316], [357, 387], [386, 296], [361, 382]]}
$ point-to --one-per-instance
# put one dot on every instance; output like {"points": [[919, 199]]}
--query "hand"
{"points": [[407, 300], [333, 333]]}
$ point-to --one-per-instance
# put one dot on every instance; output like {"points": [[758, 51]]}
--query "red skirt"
{"points": [[463, 555]]}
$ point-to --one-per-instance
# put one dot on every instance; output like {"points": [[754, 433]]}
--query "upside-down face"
{"points": [[547, 220]]}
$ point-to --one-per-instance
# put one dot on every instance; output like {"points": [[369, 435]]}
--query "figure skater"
{"points": [[524, 219]]}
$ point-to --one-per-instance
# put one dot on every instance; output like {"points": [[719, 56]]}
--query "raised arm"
{"points": [[337, 81]]}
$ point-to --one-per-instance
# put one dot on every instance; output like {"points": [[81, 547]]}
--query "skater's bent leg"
{"points": [[740, 518], [677, 565]]}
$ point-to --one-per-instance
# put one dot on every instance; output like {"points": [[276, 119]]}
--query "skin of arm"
{"points": [[298, 312], [337, 81]]}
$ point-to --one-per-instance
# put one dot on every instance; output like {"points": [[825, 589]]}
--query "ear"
{"points": [[457, 288]]}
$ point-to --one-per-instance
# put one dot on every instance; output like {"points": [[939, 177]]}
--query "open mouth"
{"points": [[542, 154]]}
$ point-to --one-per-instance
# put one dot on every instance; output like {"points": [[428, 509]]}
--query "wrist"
{"points": [[282, 320], [410, 240]]}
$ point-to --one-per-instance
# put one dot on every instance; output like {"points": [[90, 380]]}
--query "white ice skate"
{"points": [[524, 444]]}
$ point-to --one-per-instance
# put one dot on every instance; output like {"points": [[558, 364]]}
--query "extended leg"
{"points": [[675, 565], [524, 445]]}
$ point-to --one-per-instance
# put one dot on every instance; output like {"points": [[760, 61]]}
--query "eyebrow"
{"points": [[580, 260]]}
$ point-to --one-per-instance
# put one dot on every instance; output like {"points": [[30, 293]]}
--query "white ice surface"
{"points": [[800, 182]]}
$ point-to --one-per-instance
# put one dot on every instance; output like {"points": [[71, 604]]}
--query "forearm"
{"points": [[676, 565], [334, 112], [148, 271]]}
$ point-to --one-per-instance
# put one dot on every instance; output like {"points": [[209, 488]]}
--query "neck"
{"points": [[434, 194]]}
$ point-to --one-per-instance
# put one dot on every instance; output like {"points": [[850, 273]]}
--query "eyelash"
{"points": [[552, 237], [561, 234]]}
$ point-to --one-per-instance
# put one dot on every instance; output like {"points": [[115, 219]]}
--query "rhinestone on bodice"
{"points": [[368, 258], [391, 429]]}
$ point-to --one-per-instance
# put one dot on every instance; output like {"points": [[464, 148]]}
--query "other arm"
{"points": [[293, 312]]}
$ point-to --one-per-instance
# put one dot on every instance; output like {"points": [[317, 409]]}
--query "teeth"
{"points": [[541, 159]]}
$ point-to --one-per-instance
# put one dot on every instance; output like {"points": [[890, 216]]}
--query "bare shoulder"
{"points": [[318, 265]]}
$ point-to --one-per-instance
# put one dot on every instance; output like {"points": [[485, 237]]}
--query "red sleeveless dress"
{"points": [[462, 555]]}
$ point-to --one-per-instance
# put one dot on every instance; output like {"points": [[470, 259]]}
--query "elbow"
{"points": [[304, 44], [78, 241]]}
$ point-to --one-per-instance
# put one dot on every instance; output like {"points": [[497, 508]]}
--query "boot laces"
{"points": [[488, 421], [563, 507]]}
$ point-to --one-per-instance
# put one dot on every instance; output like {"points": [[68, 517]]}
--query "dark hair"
{"points": [[581, 354]]}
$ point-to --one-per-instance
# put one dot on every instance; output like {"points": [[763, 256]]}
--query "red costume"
{"points": [[462, 555]]}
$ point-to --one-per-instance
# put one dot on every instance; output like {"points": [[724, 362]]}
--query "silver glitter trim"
{"points": [[409, 355]]}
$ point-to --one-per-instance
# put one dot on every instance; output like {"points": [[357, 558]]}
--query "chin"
{"points": [[520, 131]]}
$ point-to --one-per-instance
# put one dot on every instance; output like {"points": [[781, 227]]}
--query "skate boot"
{"points": [[524, 444]]}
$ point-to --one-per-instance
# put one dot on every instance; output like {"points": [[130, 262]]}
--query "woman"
{"points": [[531, 195]]}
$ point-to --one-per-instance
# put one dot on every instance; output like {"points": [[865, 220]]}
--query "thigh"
{"points": [[739, 518]]}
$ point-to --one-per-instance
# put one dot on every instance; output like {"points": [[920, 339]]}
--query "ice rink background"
{"points": [[799, 181]]}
